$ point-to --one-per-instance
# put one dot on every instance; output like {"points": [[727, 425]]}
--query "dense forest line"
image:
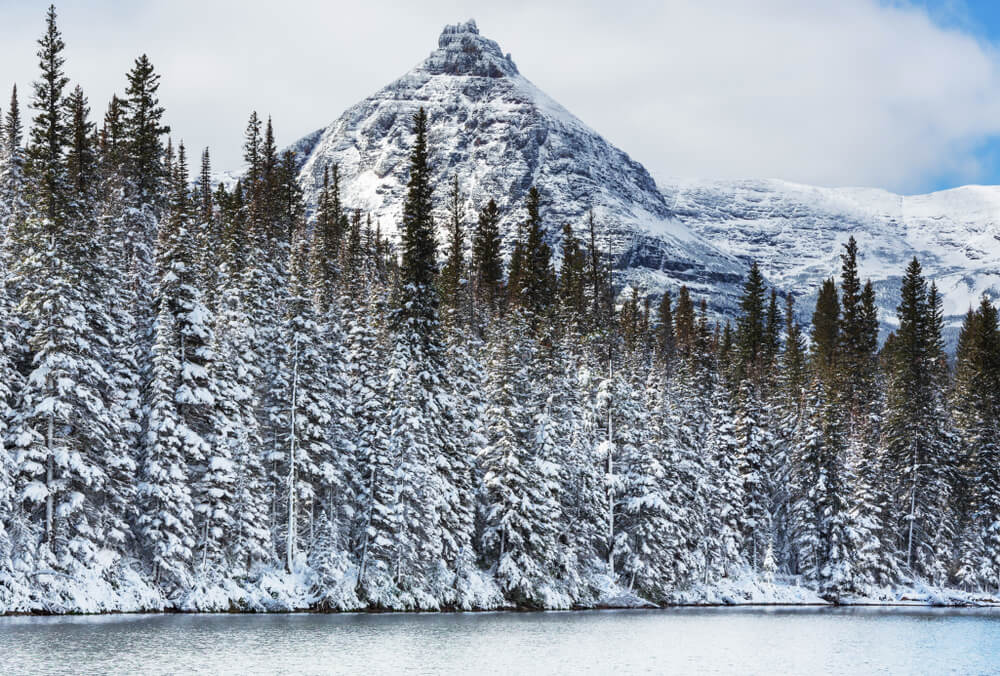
{"points": [[202, 388]]}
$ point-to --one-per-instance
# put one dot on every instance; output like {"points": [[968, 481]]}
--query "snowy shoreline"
{"points": [[285, 595], [994, 604]]}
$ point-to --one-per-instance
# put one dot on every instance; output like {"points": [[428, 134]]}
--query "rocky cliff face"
{"points": [[500, 135]]}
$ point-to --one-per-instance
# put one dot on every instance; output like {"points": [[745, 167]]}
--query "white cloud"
{"points": [[848, 92]]}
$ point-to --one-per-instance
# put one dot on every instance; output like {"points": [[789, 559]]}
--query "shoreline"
{"points": [[991, 605]]}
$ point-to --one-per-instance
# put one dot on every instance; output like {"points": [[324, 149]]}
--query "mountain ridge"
{"points": [[796, 231]]}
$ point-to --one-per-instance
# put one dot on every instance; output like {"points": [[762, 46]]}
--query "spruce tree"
{"points": [[13, 197], [327, 239], [48, 135], [825, 332], [751, 327], [572, 281], [665, 340], [418, 304], [914, 436], [453, 271], [535, 288], [303, 410], [144, 133], [976, 398], [487, 262], [521, 514]]}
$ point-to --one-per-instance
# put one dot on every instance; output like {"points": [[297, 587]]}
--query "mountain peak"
{"points": [[463, 51], [500, 135]]}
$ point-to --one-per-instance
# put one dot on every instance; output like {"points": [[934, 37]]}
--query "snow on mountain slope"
{"points": [[796, 233], [500, 134]]}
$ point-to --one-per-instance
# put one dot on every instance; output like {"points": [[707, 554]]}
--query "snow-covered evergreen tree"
{"points": [[521, 513]]}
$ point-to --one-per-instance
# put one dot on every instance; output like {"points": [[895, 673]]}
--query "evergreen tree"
{"points": [[144, 131], [452, 274], [751, 327], [535, 285], [166, 516], [237, 432], [521, 514], [665, 340], [304, 411], [418, 300], [825, 332], [914, 434], [976, 398], [48, 133], [572, 280], [327, 239], [487, 263], [13, 198]]}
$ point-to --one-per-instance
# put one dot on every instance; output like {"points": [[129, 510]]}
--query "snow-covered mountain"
{"points": [[500, 134], [796, 233]]}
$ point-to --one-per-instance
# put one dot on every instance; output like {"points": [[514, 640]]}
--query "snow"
{"points": [[795, 233]]}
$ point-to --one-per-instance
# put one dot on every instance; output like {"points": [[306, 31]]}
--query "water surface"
{"points": [[682, 640]]}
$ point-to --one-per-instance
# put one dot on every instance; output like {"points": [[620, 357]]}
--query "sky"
{"points": [[897, 94]]}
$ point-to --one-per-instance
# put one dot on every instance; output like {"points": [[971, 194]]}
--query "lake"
{"points": [[682, 640]]}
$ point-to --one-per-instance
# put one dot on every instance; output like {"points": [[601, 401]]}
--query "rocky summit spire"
{"points": [[463, 51]]}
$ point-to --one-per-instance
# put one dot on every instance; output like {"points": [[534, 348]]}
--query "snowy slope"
{"points": [[501, 135], [796, 231]]}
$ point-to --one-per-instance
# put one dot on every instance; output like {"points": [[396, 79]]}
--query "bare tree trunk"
{"points": [[611, 476], [49, 479], [292, 527], [913, 512], [371, 508]]}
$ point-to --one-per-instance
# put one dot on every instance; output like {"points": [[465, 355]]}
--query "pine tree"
{"points": [[144, 133], [535, 285], [487, 263], [751, 328], [304, 411], [166, 516], [521, 514], [914, 433], [975, 406], [453, 271], [665, 341]]}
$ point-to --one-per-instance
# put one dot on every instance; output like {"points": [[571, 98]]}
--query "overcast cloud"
{"points": [[838, 92]]}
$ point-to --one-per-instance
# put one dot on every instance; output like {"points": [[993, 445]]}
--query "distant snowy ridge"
{"points": [[795, 232]]}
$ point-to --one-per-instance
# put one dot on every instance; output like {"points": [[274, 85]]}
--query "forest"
{"points": [[205, 388]]}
